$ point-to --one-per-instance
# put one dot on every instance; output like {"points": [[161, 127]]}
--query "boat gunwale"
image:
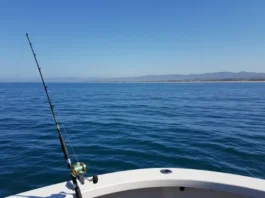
{"points": [[152, 177]]}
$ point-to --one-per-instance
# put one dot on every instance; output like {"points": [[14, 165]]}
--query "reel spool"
{"points": [[78, 170]]}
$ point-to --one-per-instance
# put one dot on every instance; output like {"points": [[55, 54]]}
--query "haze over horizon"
{"points": [[215, 76], [114, 39]]}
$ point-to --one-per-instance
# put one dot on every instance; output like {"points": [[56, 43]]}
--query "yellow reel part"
{"points": [[78, 169]]}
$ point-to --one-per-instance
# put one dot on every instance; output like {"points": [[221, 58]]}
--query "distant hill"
{"points": [[217, 76]]}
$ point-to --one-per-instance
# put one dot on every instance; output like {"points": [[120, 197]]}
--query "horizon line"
{"points": [[136, 76]]}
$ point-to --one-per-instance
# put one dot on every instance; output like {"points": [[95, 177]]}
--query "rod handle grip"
{"points": [[78, 192]]}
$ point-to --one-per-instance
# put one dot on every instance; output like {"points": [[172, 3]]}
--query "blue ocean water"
{"points": [[121, 126]]}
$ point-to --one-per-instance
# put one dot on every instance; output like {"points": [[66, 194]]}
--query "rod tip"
{"points": [[26, 34]]}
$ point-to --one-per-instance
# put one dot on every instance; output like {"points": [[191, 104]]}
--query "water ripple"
{"points": [[112, 127]]}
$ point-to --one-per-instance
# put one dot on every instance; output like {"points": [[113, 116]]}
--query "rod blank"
{"points": [[63, 145]]}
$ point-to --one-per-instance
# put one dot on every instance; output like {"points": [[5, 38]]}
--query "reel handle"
{"points": [[94, 179]]}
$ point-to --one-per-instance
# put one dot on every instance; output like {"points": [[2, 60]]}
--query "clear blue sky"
{"points": [[100, 38]]}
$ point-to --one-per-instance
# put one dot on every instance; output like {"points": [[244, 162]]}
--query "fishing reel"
{"points": [[78, 170]]}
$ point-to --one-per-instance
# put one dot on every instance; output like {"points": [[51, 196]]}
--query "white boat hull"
{"points": [[183, 183]]}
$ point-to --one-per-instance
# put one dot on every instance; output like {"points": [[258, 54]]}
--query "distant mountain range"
{"points": [[217, 76]]}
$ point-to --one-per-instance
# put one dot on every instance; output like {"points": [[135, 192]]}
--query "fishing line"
{"points": [[67, 137], [69, 140]]}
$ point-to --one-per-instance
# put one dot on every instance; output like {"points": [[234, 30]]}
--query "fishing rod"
{"points": [[77, 170]]}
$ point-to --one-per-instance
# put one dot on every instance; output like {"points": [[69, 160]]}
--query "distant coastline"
{"points": [[169, 78], [208, 81], [189, 81]]}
